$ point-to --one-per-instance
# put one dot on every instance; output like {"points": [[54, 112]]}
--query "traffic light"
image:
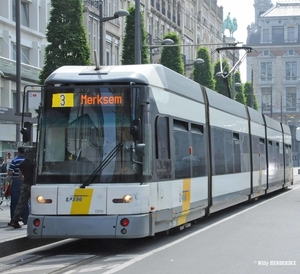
{"points": [[26, 132]]}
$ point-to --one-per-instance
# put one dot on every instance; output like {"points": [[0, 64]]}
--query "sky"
{"points": [[243, 11]]}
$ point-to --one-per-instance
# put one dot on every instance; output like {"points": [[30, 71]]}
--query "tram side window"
{"points": [[258, 153], [229, 160], [182, 152], [262, 151], [288, 161], [245, 153], [271, 155], [199, 151], [163, 161], [218, 161], [237, 152], [280, 155]]}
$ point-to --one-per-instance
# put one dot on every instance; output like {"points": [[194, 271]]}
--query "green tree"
{"points": [[171, 57], [128, 52], [251, 98], [203, 72], [66, 36], [239, 90], [222, 84]]}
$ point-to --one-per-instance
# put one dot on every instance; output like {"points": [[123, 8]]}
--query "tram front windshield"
{"points": [[85, 131]]}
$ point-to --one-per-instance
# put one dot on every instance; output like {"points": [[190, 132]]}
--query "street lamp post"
{"points": [[163, 42], [18, 65], [195, 62], [117, 14], [138, 34]]}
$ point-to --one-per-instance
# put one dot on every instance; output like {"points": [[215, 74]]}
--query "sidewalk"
{"points": [[8, 233], [15, 240]]}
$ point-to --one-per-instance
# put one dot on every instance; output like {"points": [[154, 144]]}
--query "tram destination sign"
{"points": [[67, 100]]}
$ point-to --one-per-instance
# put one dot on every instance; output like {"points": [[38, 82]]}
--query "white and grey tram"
{"points": [[130, 151]]}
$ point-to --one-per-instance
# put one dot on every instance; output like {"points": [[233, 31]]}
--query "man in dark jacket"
{"points": [[26, 174]]}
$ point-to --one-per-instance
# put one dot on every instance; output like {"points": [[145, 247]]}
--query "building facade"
{"points": [[34, 16], [274, 64], [196, 23]]}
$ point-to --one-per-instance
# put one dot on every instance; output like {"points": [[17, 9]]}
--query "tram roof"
{"points": [[149, 74]]}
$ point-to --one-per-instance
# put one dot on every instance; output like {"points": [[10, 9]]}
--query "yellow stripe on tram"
{"points": [[82, 201], [186, 201]]}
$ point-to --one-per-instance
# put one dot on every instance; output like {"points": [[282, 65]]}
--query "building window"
{"points": [[108, 53], [24, 54], [178, 14], [116, 54], [291, 70], [291, 99], [157, 5], [290, 34], [24, 13], [266, 71], [266, 99], [266, 53], [266, 36], [163, 10]]}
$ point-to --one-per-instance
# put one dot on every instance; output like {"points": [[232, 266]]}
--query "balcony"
{"points": [[28, 73]]}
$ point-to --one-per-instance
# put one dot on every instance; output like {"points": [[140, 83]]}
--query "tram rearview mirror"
{"points": [[135, 129], [140, 150]]}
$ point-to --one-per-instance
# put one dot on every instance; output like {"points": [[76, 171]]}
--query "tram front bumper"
{"points": [[64, 227]]}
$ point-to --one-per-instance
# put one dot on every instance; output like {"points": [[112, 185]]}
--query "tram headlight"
{"points": [[41, 200], [127, 198]]}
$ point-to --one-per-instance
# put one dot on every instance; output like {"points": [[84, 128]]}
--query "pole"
{"points": [[18, 65], [233, 77], [101, 32], [271, 103], [252, 90], [150, 48], [281, 110], [137, 28]]}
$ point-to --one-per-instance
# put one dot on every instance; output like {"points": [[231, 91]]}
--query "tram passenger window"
{"points": [[182, 151], [287, 158], [163, 161], [199, 151], [271, 155], [262, 158], [237, 153], [245, 153], [255, 153], [279, 156], [218, 151], [228, 152]]}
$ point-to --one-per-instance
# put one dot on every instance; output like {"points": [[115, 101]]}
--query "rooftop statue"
{"points": [[229, 24]]}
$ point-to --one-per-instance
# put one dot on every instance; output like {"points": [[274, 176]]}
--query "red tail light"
{"points": [[124, 222], [36, 222]]}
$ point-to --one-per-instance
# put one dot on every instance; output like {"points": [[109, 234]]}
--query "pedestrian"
{"points": [[26, 174], [3, 166], [16, 183]]}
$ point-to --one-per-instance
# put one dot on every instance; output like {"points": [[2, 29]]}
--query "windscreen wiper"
{"points": [[103, 164]]}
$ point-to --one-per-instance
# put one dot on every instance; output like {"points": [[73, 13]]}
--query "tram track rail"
{"points": [[60, 257]]}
